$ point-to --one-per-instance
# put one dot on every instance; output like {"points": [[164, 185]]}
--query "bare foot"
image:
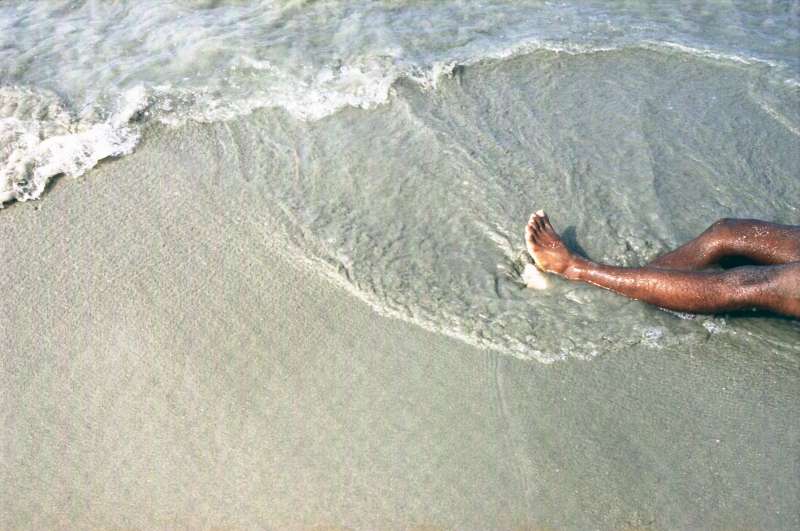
{"points": [[546, 247]]}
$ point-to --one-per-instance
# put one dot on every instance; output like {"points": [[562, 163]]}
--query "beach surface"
{"points": [[169, 363], [262, 264]]}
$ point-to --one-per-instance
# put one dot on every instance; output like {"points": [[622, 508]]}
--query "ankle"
{"points": [[576, 268]]}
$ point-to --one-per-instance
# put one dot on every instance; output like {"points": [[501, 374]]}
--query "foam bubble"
{"points": [[534, 278], [41, 139], [310, 59]]}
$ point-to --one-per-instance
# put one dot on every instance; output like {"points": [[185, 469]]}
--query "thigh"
{"points": [[761, 241]]}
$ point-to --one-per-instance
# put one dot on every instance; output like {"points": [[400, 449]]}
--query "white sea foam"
{"points": [[223, 60], [705, 52], [83, 95], [533, 278], [40, 139]]}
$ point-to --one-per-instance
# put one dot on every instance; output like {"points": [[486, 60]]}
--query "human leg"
{"points": [[775, 288], [760, 241]]}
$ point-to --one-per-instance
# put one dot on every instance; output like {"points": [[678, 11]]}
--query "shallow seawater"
{"points": [[418, 205], [401, 147]]}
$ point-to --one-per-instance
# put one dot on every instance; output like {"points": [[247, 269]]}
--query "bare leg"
{"points": [[775, 288], [760, 241]]}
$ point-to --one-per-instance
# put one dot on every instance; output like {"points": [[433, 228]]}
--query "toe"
{"points": [[551, 231], [530, 234]]}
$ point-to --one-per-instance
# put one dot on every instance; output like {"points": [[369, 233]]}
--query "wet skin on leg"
{"points": [[771, 287], [760, 241]]}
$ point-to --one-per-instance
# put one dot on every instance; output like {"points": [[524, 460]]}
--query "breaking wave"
{"points": [[43, 136]]}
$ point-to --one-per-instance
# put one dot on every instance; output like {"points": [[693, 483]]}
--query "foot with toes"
{"points": [[546, 247]]}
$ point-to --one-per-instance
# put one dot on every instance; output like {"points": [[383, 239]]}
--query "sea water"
{"points": [[402, 145]]}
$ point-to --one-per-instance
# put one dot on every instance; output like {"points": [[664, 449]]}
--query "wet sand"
{"points": [[167, 364]]}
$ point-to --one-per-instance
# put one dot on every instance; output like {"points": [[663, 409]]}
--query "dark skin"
{"points": [[677, 280]]}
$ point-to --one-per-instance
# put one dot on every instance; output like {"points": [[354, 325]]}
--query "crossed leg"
{"points": [[760, 241], [673, 282]]}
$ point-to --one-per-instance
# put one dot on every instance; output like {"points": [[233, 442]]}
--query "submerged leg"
{"points": [[775, 288], [760, 241]]}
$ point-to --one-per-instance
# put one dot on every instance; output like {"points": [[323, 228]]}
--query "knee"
{"points": [[723, 224], [723, 227], [774, 288]]}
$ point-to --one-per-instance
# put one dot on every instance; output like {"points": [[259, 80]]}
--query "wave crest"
{"points": [[41, 138]]}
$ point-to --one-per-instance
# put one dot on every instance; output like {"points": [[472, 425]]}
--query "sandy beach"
{"points": [[168, 364], [263, 265]]}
